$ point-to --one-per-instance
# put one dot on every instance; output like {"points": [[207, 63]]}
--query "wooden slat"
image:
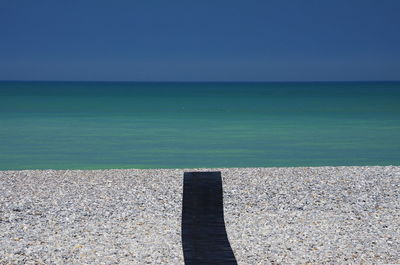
{"points": [[204, 237]]}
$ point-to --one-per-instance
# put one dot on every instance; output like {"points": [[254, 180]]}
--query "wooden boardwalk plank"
{"points": [[204, 237]]}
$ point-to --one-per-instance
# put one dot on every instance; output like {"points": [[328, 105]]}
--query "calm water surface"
{"points": [[78, 125]]}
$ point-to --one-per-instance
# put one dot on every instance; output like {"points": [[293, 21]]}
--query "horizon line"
{"points": [[196, 81]]}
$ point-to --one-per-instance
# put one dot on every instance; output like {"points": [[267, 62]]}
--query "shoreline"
{"points": [[131, 216], [194, 168]]}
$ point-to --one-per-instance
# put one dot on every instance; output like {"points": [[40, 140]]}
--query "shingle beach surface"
{"points": [[318, 215]]}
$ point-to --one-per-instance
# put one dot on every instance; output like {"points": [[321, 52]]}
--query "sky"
{"points": [[219, 40]]}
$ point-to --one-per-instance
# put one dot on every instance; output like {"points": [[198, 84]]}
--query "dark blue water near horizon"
{"points": [[90, 125]]}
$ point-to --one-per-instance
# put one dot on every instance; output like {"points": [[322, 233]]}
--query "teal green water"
{"points": [[73, 125]]}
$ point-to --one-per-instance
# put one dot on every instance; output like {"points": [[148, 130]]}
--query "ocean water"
{"points": [[93, 125]]}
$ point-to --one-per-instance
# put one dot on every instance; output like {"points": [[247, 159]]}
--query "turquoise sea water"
{"points": [[89, 125]]}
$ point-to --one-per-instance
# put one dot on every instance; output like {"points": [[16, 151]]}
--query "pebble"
{"points": [[307, 215]]}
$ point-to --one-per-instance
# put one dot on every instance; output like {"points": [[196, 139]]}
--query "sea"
{"points": [[104, 125]]}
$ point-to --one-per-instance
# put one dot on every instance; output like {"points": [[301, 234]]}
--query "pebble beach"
{"points": [[303, 215]]}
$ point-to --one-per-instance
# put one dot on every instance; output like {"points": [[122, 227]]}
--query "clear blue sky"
{"points": [[219, 40]]}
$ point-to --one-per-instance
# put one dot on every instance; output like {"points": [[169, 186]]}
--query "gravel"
{"points": [[308, 215]]}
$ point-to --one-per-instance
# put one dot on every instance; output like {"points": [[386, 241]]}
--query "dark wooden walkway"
{"points": [[204, 237]]}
